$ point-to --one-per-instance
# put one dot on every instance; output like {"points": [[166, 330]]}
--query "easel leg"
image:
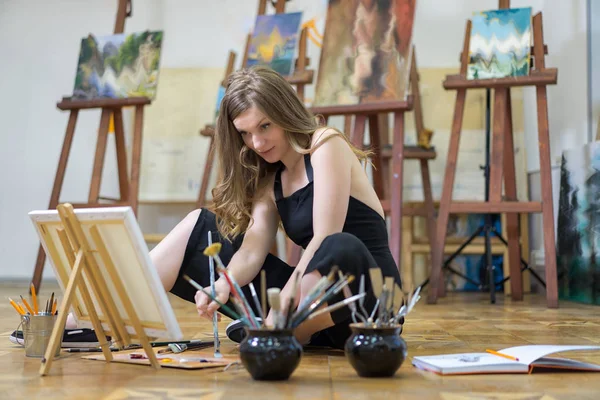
{"points": [[497, 153], [512, 219], [58, 330], [396, 198], [430, 218], [121, 154], [56, 188], [358, 133], [444, 212], [378, 176], [347, 124], [93, 273], [136, 158], [87, 300], [125, 301], [547, 205], [99, 157], [384, 140], [408, 281]]}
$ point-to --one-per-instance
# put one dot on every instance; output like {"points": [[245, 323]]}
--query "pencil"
{"points": [[34, 300], [54, 307], [16, 306], [27, 305], [501, 355]]}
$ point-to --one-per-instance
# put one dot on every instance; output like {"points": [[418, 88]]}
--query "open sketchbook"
{"points": [[528, 357]]}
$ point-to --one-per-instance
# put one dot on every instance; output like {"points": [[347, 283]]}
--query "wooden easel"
{"points": [[128, 187], [80, 254], [503, 165], [300, 78], [391, 194]]}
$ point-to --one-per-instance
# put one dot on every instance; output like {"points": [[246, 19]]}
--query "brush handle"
{"points": [[332, 291], [200, 288], [350, 300], [256, 301], [211, 266]]}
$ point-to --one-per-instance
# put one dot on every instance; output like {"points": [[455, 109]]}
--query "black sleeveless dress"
{"points": [[361, 221], [362, 244]]}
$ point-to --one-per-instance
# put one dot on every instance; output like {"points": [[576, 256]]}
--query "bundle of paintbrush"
{"points": [[390, 308], [284, 316]]}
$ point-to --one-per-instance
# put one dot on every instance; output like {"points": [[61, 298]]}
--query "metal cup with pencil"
{"points": [[37, 324]]}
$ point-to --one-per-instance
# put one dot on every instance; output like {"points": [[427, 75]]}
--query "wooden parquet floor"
{"points": [[458, 323]]}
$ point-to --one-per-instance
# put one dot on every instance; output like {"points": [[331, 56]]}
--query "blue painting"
{"points": [[500, 44], [578, 239], [274, 42]]}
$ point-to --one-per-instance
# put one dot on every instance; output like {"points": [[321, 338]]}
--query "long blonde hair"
{"points": [[241, 172]]}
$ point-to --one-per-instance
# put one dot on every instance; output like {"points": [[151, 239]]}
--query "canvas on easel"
{"points": [[112, 111], [274, 42], [118, 66], [109, 283], [502, 197], [500, 44], [366, 53], [367, 71]]}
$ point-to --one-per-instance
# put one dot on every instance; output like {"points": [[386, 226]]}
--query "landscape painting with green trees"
{"points": [[118, 66], [500, 44], [578, 230]]}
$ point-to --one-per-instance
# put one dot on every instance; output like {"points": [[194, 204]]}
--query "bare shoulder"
{"points": [[329, 140]]}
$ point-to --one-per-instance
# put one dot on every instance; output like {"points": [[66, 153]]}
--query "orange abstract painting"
{"points": [[366, 52]]}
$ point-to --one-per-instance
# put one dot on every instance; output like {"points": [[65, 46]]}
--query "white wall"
{"points": [[39, 44], [595, 66]]}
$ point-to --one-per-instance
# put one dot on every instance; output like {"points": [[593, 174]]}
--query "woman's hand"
{"points": [[205, 306]]}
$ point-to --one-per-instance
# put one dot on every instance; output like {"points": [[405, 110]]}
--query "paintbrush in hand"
{"points": [[200, 288], [213, 251]]}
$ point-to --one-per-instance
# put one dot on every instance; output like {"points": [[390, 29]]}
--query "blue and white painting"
{"points": [[578, 238], [500, 44], [274, 42]]}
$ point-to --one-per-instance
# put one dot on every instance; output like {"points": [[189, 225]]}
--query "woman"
{"points": [[277, 165]]}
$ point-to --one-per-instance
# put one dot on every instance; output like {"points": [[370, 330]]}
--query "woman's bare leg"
{"points": [[168, 255], [309, 327]]}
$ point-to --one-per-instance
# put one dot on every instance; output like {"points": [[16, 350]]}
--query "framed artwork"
{"points": [[366, 52], [500, 44], [118, 66], [578, 224], [274, 42]]}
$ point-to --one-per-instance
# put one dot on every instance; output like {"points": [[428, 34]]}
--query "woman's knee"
{"points": [[347, 251], [345, 239], [193, 215], [345, 243]]}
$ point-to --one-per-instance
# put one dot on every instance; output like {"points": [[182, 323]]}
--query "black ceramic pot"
{"points": [[270, 354], [375, 352]]}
